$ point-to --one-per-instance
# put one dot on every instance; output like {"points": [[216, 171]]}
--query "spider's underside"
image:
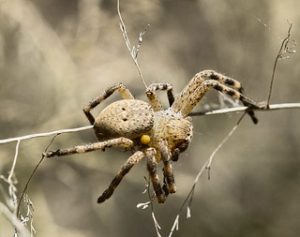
{"points": [[148, 130]]}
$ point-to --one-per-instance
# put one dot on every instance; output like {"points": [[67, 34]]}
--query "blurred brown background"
{"points": [[56, 55]]}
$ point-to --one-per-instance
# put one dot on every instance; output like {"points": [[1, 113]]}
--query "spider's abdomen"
{"points": [[126, 118]]}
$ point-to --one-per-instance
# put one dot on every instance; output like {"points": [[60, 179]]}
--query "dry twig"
{"points": [[283, 51], [133, 50]]}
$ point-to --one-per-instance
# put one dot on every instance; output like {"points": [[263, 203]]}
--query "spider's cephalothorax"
{"points": [[150, 131]]}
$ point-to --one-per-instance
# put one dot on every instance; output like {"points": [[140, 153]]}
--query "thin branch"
{"points": [[22, 231], [31, 176], [206, 166], [12, 170], [284, 49], [135, 49], [243, 108], [46, 134], [155, 222], [200, 113], [221, 144], [11, 181]]}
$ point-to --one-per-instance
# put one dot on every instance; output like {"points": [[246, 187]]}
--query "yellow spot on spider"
{"points": [[145, 139]]}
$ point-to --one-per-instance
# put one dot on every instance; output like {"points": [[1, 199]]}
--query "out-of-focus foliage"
{"points": [[55, 55]]}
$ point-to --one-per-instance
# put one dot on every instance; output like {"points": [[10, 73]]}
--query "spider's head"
{"points": [[179, 133]]}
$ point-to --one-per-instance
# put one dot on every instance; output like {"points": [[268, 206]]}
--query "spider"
{"points": [[148, 130]]}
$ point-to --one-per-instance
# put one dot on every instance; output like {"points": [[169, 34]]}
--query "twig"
{"points": [[207, 165], [284, 48], [22, 231], [156, 224], [32, 174], [135, 49], [200, 113], [11, 181], [243, 108], [210, 159], [45, 134]]}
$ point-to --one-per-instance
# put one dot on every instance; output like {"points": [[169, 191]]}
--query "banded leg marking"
{"points": [[152, 169], [201, 83], [131, 161], [117, 142], [124, 92], [150, 93], [168, 169]]}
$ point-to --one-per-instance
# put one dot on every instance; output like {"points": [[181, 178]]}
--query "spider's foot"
{"points": [[104, 196], [252, 115], [165, 189], [161, 198]]}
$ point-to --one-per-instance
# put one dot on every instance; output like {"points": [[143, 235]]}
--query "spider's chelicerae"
{"points": [[148, 130]]}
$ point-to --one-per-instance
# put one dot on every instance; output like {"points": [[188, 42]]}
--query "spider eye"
{"points": [[145, 139]]}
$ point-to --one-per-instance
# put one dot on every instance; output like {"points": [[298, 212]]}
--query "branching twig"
{"points": [[11, 180], [23, 232], [207, 165], [283, 50], [133, 50], [31, 176]]}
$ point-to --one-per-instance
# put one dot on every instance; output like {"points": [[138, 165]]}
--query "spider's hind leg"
{"points": [[124, 92]]}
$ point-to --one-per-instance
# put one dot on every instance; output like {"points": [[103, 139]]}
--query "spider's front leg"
{"points": [[132, 160], [117, 142], [201, 83], [152, 169], [124, 92]]}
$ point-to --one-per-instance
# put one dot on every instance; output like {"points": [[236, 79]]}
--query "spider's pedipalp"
{"points": [[152, 169], [131, 161], [153, 100], [117, 142], [121, 88]]}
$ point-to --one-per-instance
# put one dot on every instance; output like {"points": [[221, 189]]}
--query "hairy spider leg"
{"points": [[121, 142], [121, 88], [201, 83], [169, 179], [153, 100], [126, 167], [152, 169]]}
